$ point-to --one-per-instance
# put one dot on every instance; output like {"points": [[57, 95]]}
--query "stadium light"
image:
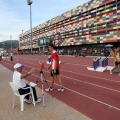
{"points": [[29, 2]]}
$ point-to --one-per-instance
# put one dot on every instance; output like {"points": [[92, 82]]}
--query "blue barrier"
{"points": [[96, 63], [105, 62]]}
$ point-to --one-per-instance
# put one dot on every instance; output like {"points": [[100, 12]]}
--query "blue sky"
{"points": [[15, 14]]}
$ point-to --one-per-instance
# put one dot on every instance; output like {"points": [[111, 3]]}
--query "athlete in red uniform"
{"points": [[54, 66]]}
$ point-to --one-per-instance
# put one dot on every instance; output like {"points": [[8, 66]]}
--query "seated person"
{"points": [[18, 79]]}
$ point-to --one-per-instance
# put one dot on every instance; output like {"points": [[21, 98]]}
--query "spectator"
{"points": [[11, 56]]}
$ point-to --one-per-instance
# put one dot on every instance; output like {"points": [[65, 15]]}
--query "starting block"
{"points": [[102, 68]]}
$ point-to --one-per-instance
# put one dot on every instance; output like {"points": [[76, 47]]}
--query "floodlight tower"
{"points": [[29, 2], [22, 41]]}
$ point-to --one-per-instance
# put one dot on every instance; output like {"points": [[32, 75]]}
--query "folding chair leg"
{"points": [[13, 100], [22, 102], [32, 96]]}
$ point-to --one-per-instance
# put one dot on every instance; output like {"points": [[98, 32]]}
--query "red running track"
{"points": [[94, 94]]}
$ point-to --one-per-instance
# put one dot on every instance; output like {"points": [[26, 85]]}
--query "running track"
{"points": [[94, 94]]}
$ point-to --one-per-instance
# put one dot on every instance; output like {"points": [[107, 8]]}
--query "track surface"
{"points": [[94, 94]]}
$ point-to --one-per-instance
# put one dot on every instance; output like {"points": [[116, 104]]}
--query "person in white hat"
{"points": [[18, 79]]}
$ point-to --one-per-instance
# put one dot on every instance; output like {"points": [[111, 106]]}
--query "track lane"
{"points": [[84, 101]]}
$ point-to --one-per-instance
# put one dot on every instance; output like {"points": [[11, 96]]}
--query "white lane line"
{"points": [[92, 76], [86, 96], [83, 95], [93, 99], [70, 63], [87, 75], [78, 64], [84, 82], [91, 84]]}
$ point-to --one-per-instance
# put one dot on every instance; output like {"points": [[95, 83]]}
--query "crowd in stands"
{"points": [[76, 52], [85, 52]]}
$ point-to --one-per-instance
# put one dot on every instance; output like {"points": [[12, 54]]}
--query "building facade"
{"points": [[95, 22]]}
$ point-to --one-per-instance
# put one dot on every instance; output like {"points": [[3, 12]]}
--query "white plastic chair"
{"points": [[16, 92]]}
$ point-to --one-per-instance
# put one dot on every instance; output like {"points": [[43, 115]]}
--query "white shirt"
{"points": [[0, 54], [17, 79], [11, 54]]}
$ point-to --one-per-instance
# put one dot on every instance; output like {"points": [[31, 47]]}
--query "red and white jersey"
{"points": [[54, 57]]}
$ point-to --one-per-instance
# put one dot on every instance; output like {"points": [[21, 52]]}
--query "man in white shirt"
{"points": [[18, 79], [11, 56]]}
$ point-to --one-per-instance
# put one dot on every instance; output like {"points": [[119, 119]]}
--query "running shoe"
{"points": [[49, 89], [61, 89], [110, 71]]}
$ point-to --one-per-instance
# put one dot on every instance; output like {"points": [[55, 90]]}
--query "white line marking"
{"points": [[83, 81], [82, 94], [86, 96], [91, 84], [92, 76], [88, 75]]}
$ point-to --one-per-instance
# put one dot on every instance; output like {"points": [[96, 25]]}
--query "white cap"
{"points": [[17, 65]]}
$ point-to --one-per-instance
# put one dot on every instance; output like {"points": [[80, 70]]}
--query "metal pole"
{"points": [[11, 42], [22, 39], [29, 2], [31, 27]]}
